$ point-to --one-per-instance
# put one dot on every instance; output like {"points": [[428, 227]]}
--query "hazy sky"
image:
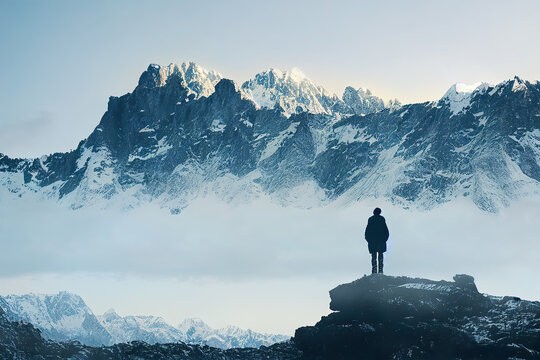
{"points": [[61, 60]]}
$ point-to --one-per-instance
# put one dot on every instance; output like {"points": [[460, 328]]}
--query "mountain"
{"points": [[60, 317], [163, 144], [150, 329], [66, 317], [195, 331], [374, 317], [198, 81], [20, 340], [290, 91], [362, 102]]}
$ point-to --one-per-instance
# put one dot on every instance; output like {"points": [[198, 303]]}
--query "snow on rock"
{"points": [[66, 316], [196, 331], [291, 90], [471, 144], [363, 102], [432, 319], [197, 79], [458, 97], [61, 317]]}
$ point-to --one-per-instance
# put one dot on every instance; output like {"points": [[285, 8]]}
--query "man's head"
{"points": [[377, 211]]}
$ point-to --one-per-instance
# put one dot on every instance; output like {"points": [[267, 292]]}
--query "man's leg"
{"points": [[381, 257], [374, 262]]}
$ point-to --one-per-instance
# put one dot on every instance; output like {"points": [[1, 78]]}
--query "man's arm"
{"points": [[367, 233]]}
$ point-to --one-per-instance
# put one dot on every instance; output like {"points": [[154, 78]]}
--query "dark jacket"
{"points": [[376, 234]]}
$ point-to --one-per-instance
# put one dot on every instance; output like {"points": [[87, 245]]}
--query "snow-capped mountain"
{"points": [[60, 317], [65, 316], [163, 144], [198, 81], [196, 331], [459, 96], [150, 329], [290, 91]]}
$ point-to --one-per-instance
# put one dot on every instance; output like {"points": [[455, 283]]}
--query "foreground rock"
{"points": [[375, 317], [383, 317]]}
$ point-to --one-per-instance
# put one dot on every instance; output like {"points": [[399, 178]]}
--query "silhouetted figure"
{"points": [[376, 236]]}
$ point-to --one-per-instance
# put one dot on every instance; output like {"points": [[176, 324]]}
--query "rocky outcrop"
{"points": [[384, 317], [375, 317]]}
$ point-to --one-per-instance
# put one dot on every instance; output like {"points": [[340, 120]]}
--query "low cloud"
{"points": [[213, 240]]}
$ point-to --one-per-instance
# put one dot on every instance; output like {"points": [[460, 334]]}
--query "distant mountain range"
{"points": [[186, 132], [65, 316], [374, 317]]}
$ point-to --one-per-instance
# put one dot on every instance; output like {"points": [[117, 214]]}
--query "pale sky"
{"points": [[61, 60]]}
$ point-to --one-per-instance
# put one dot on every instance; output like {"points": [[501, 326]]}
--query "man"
{"points": [[376, 236]]}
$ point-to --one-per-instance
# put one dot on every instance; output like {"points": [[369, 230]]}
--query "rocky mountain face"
{"points": [[22, 341], [60, 317], [174, 139], [384, 317], [66, 317], [362, 102], [375, 317]]}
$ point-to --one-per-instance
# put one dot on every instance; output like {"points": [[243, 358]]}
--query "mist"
{"points": [[256, 265]]}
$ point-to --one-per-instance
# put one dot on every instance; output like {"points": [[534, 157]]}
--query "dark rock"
{"points": [[383, 317]]}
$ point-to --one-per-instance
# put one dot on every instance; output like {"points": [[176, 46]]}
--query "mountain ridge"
{"points": [[163, 144], [66, 317]]}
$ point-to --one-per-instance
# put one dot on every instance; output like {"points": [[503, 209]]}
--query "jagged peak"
{"points": [[197, 79], [362, 101], [459, 95], [518, 84], [291, 90], [461, 89], [226, 86]]}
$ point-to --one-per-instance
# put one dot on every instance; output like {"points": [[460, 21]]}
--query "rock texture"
{"points": [[375, 317], [384, 317], [181, 135]]}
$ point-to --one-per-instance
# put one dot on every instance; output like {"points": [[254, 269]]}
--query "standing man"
{"points": [[376, 236]]}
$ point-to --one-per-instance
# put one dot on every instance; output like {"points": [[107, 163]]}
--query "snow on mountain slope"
{"points": [[196, 331], [61, 317], [66, 316], [151, 329], [459, 95], [291, 90], [363, 102], [197, 79], [161, 144]]}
